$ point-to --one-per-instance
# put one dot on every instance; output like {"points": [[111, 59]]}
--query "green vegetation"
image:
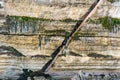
{"points": [[25, 19], [99, 55], [83, 34], [107, 22], [95, 21], [56, 33], [33, 25]]}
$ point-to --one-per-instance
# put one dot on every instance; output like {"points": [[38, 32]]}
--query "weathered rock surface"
{"points": [[32, 40]]}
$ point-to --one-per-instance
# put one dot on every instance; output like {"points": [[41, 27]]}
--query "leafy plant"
{"points": [[107, 22], [56, 33], [83, 34]]}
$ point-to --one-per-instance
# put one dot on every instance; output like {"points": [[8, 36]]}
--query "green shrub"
{"points": [[83, 34], [107, 22], [56, 33]]}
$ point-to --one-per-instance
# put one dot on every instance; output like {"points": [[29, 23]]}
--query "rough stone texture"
{"points": [[29, 45], [54, 11], [50, 9], [104, 42], [85, 63], [1, 7]]}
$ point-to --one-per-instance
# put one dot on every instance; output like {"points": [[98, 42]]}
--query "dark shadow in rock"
{"points": [[10, 51], [4, 32], [95, 55], [71, 53], [74, 54], [62, 55], [29, 73], [40, 56], [1, 15], [41, 74]]}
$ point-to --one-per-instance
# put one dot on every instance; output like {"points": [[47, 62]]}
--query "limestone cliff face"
{"points": [[47, 23], [50, 9], [57, 10], [109, 9], [56, 16]]}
